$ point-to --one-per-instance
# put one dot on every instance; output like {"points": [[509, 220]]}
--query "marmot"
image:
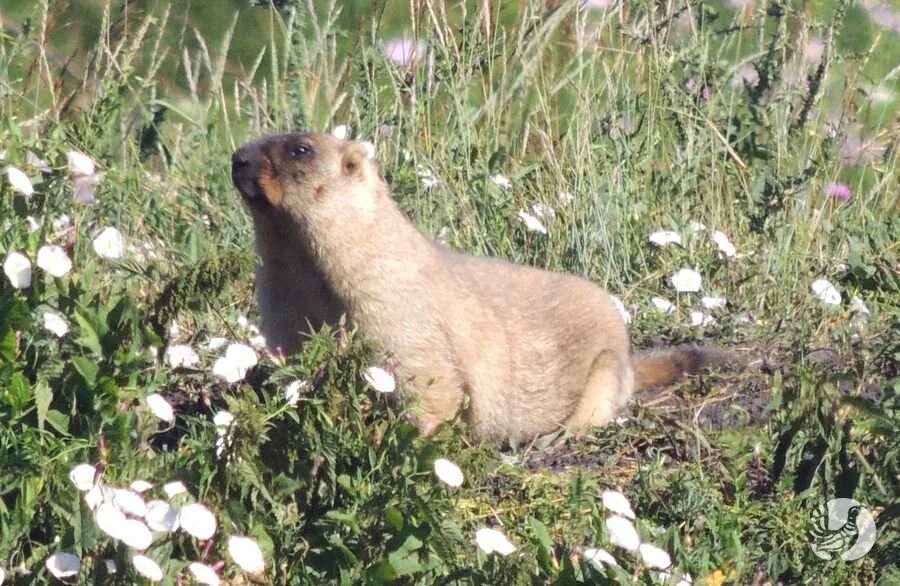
{"points": [[293, 295], [532, 349]]}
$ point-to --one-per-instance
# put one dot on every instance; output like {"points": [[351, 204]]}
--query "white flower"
{"points": [[181, 355], [543, 211], [380, 379], [430, 182], [246, 553], [654, 557], [55, 323], [369, 148], [238, 359], [80, 164], [204, 574], [448, 472], [110, 520], [223, 420], [160, 407], [493, 541], [501, 181], [135, 534], [616, 502], [340, 131], [174, 488], [532, 223], [665, 237], [18, 269], [84, 189], [33, 224], [19, 181], [698, 318], [292, 392], [129, 502], [54, 260], [566, 197], [663, 305], [197, 521], [622, 533], [109, 244], [621, 307], [61, 222], [427, 176], [215, 343], [140, 486], [110, 566], [147, 568], [82, 476], [697, 226], [724, 244], [859, 307], [258, 342], [98, 495], [686, 281], [161, 516], [63, 565], [826, 292], [2, 574], [713, 302], [95, 496], [32, 160], [597, 557]]}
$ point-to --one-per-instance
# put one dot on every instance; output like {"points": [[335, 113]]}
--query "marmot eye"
{"points": [[300, 150]]}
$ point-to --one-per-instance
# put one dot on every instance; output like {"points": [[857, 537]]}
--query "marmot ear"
{"points": [[353, 159]]}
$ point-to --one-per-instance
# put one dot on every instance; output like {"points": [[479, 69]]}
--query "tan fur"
{"points": [[533, 350]]}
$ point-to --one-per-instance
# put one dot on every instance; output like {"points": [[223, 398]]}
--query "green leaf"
{"points": [[8, 344], [88, 369], [58, 421], [19, 391], [346, 519], [393, 518], [43, 396], [405, 559], [88, 338], [382, 573], [540, 531]]}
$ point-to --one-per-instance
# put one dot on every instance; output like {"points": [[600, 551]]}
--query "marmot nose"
{"points": [[245, 171], [240, 162]]}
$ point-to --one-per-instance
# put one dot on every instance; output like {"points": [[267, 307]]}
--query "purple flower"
{"points": [[838, 191], [405, 52]]}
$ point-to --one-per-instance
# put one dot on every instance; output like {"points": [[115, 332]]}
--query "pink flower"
{"points": [[883, 16], [405, 52], [815, 48], [838, 191]]}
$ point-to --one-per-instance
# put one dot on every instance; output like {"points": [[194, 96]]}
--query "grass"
{"points": [[624, 122]]}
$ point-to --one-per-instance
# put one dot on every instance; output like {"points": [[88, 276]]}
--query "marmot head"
{"points": [[308, 177]]}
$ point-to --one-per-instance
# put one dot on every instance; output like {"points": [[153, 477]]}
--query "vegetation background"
{"points": [[774, 122]]}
